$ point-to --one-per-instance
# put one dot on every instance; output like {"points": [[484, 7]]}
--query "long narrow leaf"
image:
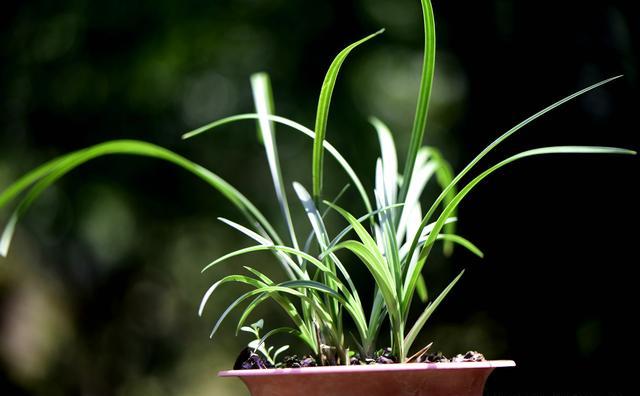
{"points": [[322, 114], [453, 238], [263, 99], [412, 273], [424, 94], [297, 127], [419, 324], [286, 249], [496, 142], [444, 176], [290, 267], [55, 169], [389, 160], [230, 278]]}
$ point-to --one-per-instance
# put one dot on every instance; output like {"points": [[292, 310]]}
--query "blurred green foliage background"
{"points": [[100, 291]]}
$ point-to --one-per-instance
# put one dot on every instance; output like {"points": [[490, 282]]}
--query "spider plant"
{"points": [[394, 236], [400, 238]]}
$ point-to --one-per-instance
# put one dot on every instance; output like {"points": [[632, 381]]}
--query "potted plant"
{"points": [[391, 236]]}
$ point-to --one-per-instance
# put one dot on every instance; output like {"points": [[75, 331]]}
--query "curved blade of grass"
{"points": [[364, 236], [285, 287], [263, 100], [369, 254], [419, 324], [315, 218], [377, 269], [348, 228], [31, 177], [279, 330], [453, 238], [388, 234], [373, 261], [496, 142], [389, 160], [322, 114], [286, 249], [404, 250], [321, 236], [230, 278], [297, 127], [356, 312], [239, 300], [424, 94], [287, 306], [422, 173], [56, 169], [290, 267], [412, 273], [421, 289], [305, 328], [307, 244], [289, 250], [444, 177], [309, 284], [284, 348]]}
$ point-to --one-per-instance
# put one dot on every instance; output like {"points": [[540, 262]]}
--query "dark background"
{"points": [[99, 293]]}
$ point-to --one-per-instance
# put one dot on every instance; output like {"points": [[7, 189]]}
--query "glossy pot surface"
{"points": [[409, 379]]}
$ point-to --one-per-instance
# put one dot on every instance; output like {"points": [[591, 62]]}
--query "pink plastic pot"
{"points": [[412, 379]]}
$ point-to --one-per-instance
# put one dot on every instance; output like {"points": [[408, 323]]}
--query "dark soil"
{"points": [[471, 356], [294, 362], [247, 360]]}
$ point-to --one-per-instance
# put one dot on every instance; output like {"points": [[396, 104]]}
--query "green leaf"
{"points": [[230, 278], [444, 176], [239, 300], [348, 228], [404, 250], [389, 161], [307, 244], [317, 224], [284, 303], [421, 288], [378, 270], [315, 218], [277, 248], [33, 176], [263, 99], [413, 271], [364, 236], [279, 330], [422, 172], [453, 238], [279, 351], [53, 170], [297, 127], [322, 114], [495, 143], [258, 325], [424, 94], [419, 324], [290, 267], [309, 284]]}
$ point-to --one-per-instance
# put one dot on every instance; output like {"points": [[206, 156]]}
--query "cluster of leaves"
{"points": [[257, 345], [393, 237]]}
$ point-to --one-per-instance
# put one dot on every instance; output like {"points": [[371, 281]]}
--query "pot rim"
{"points": [[368, 368]]}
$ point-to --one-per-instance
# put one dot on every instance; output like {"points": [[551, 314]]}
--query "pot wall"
{"points": [[413, 379]]}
